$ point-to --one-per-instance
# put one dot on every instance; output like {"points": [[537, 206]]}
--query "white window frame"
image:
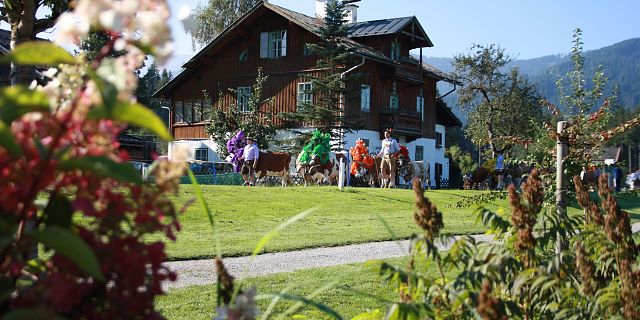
{"points": [[273, 44], [179, 111], [243, 95], [305, 93], [420, 104], [197, 111], [188, 111], [199, 157], [415, 156], [365, 97]]}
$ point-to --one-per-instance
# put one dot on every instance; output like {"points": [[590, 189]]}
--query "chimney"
{"points": [[351, 10]]}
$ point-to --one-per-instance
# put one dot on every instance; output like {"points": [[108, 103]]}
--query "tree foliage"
{"points": [[215, 16], [66, 188], [256, 123], [330, 90], [21, 17], [504, 108]]}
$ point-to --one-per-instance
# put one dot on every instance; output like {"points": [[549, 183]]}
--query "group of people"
{"points": [[244, 154]]}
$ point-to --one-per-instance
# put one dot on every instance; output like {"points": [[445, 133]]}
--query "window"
{"points": [[420, 104], [244, 56], [438, 139], [197, 111], [419, 153], [305, 96], [202, 154], [395, 50], [273, 44], [243, 98], [365, 98], [393, 99], [206, 109], [179, 112], [188, 111]]}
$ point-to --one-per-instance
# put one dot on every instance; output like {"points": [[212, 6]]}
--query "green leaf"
{"points": [[103, 167], [71, 246], [58, 212], [28, 314], [15, 101], [134, 114], [8, 141], [39, 53]]}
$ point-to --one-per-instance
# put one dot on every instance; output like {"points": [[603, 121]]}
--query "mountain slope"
{"points": [[621, 62]]}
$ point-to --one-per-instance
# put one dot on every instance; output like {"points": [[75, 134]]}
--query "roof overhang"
{"points": [[445, 116]]}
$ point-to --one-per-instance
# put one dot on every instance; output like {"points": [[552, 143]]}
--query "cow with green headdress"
{"points": [[313, 162]]}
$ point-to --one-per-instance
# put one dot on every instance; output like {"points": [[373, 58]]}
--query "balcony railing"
{"points": [[401, 121], [409, 69]]}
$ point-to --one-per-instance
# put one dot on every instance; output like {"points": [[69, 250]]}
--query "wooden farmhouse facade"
{"points": [[396, 90]]}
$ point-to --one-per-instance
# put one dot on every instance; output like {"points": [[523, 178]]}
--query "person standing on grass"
{"points": [[250, 156], [389, 148]]}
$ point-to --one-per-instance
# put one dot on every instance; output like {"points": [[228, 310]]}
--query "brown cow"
{"points": [[478, 178], [273, 164]]}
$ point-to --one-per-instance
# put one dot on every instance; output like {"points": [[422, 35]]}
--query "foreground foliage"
{"points": [[59, 159]]}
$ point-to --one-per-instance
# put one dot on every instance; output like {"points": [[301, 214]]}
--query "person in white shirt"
{"points": [[388, 154], [250, 156]]}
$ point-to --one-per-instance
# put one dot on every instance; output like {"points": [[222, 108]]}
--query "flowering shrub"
{"points": [[66, 187], [522, 276]]}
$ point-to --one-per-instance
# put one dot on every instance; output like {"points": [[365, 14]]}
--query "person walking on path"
{"points": [[250, 156], [389, 148]]}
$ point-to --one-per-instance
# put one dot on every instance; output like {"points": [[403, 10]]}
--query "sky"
{"points": [[525, 29]]}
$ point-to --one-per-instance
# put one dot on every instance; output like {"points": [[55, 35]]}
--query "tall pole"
{"points": [[562, 151]]}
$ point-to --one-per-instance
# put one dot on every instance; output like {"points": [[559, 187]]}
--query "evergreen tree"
{"points": [[329, 90], [92, 45], [212, 18]]}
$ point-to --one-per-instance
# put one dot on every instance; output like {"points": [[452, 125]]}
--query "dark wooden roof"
{"points": [[312, 25], [438, 74], [445, 116], [390, 26]]}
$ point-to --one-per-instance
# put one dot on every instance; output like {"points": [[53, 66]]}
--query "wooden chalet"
{"points": [[396, 90]]}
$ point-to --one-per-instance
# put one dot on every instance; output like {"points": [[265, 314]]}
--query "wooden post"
{"points": [[562, 151], [341, 174]]}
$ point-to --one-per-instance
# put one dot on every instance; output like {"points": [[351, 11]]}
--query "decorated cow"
{"points": [[363, 165]]}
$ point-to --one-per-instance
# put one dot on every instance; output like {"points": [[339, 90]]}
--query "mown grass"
{"points": [[360, 290], [353, 216]]}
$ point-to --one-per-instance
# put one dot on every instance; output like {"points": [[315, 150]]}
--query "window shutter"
{"points": [[284, 43], [264, 44]]}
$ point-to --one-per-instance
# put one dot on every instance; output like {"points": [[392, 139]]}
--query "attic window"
{"points": [[244, 56], [273, 44]]}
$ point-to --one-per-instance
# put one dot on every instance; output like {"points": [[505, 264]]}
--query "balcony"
{"points": [[409, 69], [401, 121]]}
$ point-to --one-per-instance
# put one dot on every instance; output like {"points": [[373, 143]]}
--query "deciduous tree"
{"points": [[21, 17], [212, 18], [504, 108]]}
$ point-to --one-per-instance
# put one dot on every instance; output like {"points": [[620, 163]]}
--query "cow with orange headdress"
{"points": [[363, 164]]}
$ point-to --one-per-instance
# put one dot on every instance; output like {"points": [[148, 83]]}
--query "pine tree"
{"points": [[330, 90]]}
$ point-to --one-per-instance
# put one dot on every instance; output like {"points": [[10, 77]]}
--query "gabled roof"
{"points": [[312, 25], [387, 26]]}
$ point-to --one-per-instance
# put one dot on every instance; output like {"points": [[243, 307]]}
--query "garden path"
{"points": [[201, 272]]}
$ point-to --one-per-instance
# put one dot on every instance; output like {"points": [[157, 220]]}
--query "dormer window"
{"points": [[273, 44]]}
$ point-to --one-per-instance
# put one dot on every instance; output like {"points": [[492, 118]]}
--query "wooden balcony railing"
{"points": [[409, 69], [401, 121]]}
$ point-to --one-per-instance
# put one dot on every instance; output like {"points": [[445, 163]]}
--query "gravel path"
{"points": [[200, 272]]}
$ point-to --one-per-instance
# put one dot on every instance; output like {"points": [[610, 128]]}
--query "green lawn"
{"points": [[198, 302], [246, 214]]}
